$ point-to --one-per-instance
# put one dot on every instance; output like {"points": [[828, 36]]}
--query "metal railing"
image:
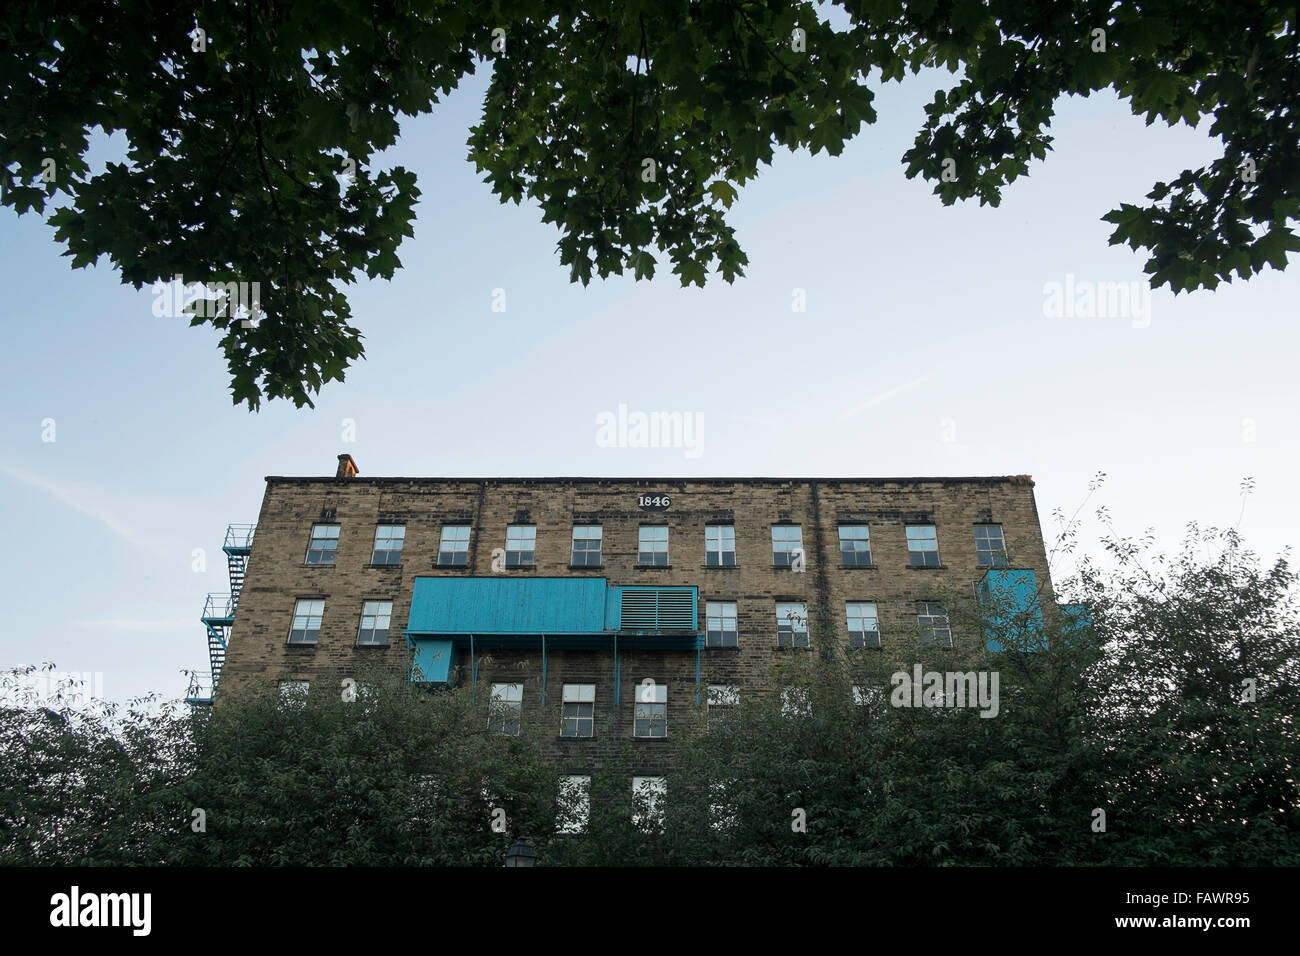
{"points": [[219, 606], [239, 536], [200, 686]]}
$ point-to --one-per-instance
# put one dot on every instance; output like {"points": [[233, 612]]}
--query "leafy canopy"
{"points": [[251, 128]]}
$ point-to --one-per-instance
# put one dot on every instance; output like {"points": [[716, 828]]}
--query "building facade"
{"points": [[594, 610]]}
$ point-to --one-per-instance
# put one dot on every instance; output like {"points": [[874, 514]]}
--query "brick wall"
{"points": [[277, 576]]}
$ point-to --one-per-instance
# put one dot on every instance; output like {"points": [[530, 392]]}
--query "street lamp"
{"points": [[521, 853]]}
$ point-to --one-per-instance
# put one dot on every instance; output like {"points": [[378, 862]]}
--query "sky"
{"points": [[928, 347]]}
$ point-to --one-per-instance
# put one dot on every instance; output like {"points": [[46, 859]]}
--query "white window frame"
{"points": [[652, 710], [506, 698], [578, 695], [721, 701], [325, 526], [655, 790], [458, 545], [388, 552], [785, 545], [924, 545], [598, 551], [855, 551], [718, 611], [652, 546], [575, 808], [375, 612], [306, 610], [798, 624], [717, 537], [987, 557], [931, 633], [519, 534], [873, 617]]}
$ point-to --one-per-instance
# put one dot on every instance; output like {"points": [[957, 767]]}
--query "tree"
{"points": [[1196, 702], [396, 776], [86, 783], [251, 129], [1162, 733], [850, 778]]}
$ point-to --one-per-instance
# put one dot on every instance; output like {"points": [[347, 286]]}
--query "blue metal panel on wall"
{"points": [[1076, 628], [1077, 615], [434, 662], [503, 605], [672, 617], [613, 609], [1010, 597]]}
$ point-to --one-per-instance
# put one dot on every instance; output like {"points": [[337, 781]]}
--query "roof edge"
{"points": [[970, 479]]}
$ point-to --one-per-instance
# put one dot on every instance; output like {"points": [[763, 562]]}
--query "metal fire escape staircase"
{"points": [[219, 614]]}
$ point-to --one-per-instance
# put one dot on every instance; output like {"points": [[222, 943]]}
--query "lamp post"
{"points": [[521, 853]]}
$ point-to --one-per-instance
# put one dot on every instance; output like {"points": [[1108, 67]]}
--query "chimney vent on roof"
{"points": [[347, 467]]}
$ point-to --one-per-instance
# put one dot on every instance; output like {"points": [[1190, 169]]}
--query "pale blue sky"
{"points": [[916, 315]]}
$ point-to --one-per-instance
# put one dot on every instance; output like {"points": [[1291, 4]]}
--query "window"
{"points": [[306, 622], [389, 539], [722, 807], [586, 545], [795, 702], [294, 691], [864, 628], [862, 696], [324, 542], [786, 540], [425, 799], [922, 546], [453, 550], [791, 624], [990, 547], [647, 802], [575, 803], [650, 718], [720, 545], [855, 545], [720, 624], [579, 711], [933, 623], [506, 707], [374, 622], [723, 700], [365, 693], [653, 549], [521, 540], [388, 544]]}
